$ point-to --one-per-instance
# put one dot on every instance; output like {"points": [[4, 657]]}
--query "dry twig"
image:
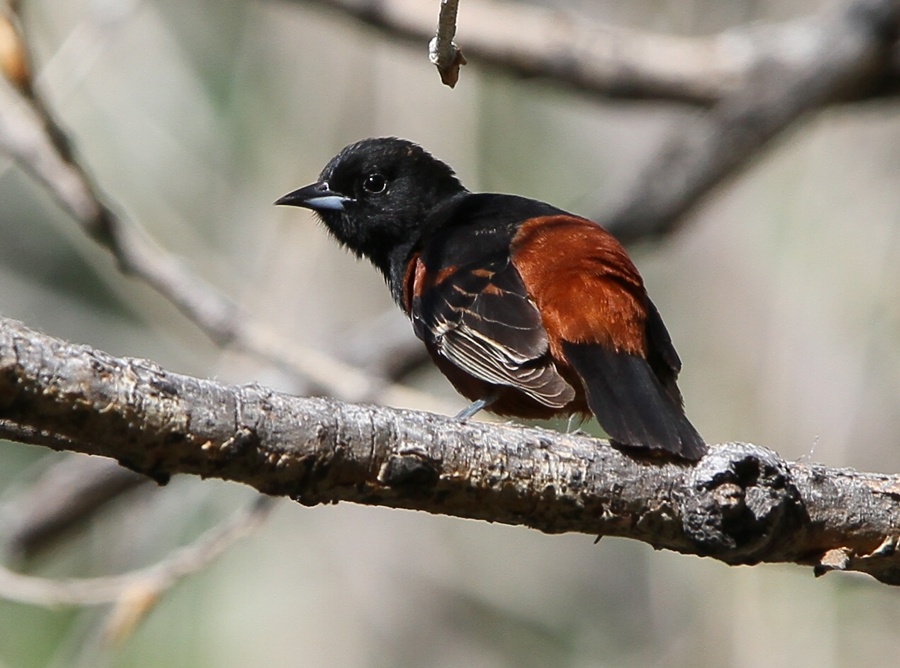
{"points": [[156, 578], [442, 50]]}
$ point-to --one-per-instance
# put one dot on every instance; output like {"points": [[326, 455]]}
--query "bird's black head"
{"points": [[375, 195]]}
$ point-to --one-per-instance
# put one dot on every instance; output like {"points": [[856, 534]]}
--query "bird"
{"points": [[528, 310]]}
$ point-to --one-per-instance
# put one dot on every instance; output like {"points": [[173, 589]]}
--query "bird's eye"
{"points": [[374, 184]]}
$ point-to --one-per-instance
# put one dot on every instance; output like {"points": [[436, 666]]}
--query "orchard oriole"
{"points": [[528, 310]]}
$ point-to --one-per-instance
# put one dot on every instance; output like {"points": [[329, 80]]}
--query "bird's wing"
{"points": [[479, 316], [601, 323]]}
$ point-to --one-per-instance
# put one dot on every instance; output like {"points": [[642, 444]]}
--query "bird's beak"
{"points": [[317, 196]]}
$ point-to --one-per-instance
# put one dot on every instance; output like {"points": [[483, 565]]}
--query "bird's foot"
{"points": [[476, 406]]}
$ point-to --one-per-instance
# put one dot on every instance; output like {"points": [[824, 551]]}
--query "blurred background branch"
{"points": [[850, 47], [153, 580], [30, 134], [135, 593], [617, 62], [65, 493], [757, 80]]}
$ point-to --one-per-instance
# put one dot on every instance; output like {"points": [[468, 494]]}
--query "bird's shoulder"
{"points": [[475, 227], [465, 246]]}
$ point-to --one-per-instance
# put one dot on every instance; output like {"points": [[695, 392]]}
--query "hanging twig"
{"points": [[442, 50]]}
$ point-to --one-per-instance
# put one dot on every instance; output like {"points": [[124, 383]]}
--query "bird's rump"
{"points": [[602, 325]]}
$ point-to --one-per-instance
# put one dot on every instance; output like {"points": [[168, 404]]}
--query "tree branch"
{"points": [[758, 81], [72, 489], [30, 134], [847, 50], [612, 61], [152, 580], [741, 504], [136, 592], [65, 493], [442, 50]]}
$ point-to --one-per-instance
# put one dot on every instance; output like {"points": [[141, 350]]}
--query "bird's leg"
{"points": [[573, 426], [476, 406]]}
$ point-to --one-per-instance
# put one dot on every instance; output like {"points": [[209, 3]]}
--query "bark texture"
{"points": [[741, 504]]}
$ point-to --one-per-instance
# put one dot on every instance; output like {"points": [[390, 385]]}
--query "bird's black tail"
{"points": [[630, 402]]}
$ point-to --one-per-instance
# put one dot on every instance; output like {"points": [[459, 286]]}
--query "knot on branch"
{"points": [[413, 472], [741, 499]]}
